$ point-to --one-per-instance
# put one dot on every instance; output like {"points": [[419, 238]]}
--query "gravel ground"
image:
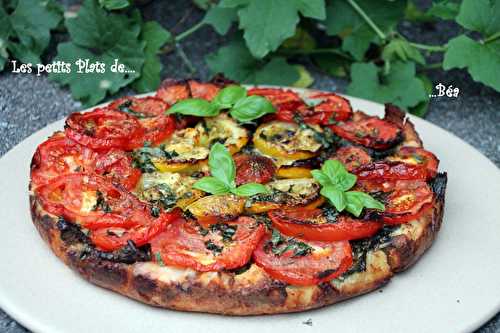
{"points": [[28, 102]]}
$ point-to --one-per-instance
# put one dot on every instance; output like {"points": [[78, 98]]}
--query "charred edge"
{"points": [[438, 185], [170, 82], [72, 234], [220, 80], [325, 273], [394, 114]]}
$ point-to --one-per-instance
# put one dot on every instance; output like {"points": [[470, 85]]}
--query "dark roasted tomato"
{"points": [[140, 107], [117, 166], [390, 171], [156, 130], [203, 90], [253, 169], [301, 262], [280, 98], [103, 129], [58, 156], [352, 157], [417, 156], [371, 132], [314, 224], [221, 246], [113, 238], [172, 91], [405, 200], [332, 108]]}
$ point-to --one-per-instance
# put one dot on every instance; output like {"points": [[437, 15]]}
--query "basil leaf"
{"points": [[211, 185], [229, 96], [356, 201], [222, 165], [333, 169], [336, 197], [345, 181], [320, 177], [250, 108], [194, 107], [249, 189]]}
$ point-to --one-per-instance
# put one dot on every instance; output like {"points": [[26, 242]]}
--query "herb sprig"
{"points": [[232, 98], [223, 171], [335, 183], [280, 244]]}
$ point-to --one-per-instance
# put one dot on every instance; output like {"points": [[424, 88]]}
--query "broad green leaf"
{"points": [[336, 197], [194, 107], [415, 14], [444, 9], [101, 37], [305, 78], [343, 20], [211, 185], [251, 108], [220, 19], [480, 15], [332, 64], [5, 31], [249, 189], [222, 165], [301, 40], [421, 108], [229, 96], [114, 4], [276, 72], [267, 24], [204, 4], [155, 37], [400, 87], [401, 49], [481, 60]]}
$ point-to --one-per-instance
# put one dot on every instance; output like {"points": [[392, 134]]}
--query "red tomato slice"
{"points": [[172, 91], [113, 238], [333, 107], [58, 156], [157, 129], [312, 224], [117, 166], [418, 156], [286, 102], [326, 261], [253, 169], [103, 129], [140, 107], [371, 132], [203, 90], [352, 157], [390, 171], [185, 244]]}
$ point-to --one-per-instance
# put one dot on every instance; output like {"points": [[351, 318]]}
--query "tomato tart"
{"points": [[213, 197]]}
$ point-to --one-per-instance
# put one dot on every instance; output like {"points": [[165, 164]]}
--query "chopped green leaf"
{"points": [[400, 87], [155, 37]]}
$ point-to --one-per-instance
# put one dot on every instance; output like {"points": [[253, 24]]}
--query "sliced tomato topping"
{"points": [[280, 98], [369, 131], [352, 157], [301, 262], [103, 129], [333, 107], [113, 238], [58, 156], [221, 246], [418, 156], [172, 91], [314, 224], [117, 166], [253, 169], [390, 171], [140, 107], [203, 90]]}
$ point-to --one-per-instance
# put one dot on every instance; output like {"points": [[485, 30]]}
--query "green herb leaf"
{"points": [[402, 49], [335, 196], [229, 96], [114, 4], [220, 19], [263, 31], [444, 9], [159, 260], [100, 37], [211, 185], [249, 189], [155, 37], [400, 87], [194, 107], [222, 165], [251, 107], [356, 201], [320, 177], [480, 15]]}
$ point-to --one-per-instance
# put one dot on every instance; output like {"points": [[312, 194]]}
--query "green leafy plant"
{"points": [[233, 98], [336, 182], [223, 173]]}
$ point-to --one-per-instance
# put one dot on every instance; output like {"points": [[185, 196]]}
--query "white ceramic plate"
{"points": [[453, 288]]}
